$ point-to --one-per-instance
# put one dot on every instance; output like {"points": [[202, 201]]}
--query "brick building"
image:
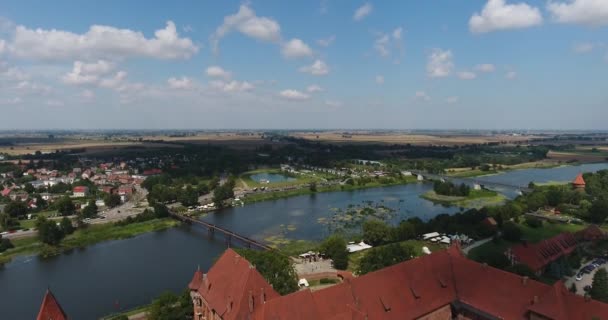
{"points": [[443, 285]]}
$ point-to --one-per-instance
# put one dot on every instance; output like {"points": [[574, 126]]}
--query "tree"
{"points": [[29, 188], [384, 256], [66, 226], [6, 221], [376, 232], [599, 211], [48, 231], [40, 203], [223, 192], [90, 210], [599, 286], [334, 247], [312, 187], [493, 258], [16, 209], [405, 231], [277, 269], [111, 200], [169, 306], [65, 206], [5, 244], [534, 222], [188, 197], [511, 232]]}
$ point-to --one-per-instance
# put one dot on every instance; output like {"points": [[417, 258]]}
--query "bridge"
{"points": [[228, 235], [473, 180]]}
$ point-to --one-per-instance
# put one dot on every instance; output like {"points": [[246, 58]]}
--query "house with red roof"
{"points": [[80, 191], [442, 285], [538, 256], [50, 309], [579, 182]]}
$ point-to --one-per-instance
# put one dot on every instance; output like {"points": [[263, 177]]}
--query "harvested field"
{"points": [[577, 156]]}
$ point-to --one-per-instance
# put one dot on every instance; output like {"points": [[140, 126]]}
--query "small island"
{"points": [[445, 192]]}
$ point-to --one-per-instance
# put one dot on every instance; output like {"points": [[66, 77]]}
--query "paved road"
{"points": [[586, 281]]}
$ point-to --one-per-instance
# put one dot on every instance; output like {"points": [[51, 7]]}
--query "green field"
{"points": [[354, 258], [476, 199]]}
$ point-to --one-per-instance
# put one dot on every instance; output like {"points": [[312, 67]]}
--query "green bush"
{"points": [[534, 222]]}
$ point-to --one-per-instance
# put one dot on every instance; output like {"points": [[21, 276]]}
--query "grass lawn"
{"points": [[354, 258], [297, 179], [476, 199]]}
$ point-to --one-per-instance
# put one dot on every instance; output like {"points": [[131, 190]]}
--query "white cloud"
{"points": [[87, 94], [363, 11], [12, 101], [379, 79], [333, 103], [467, 75], [100, 42], [498, 15], [318, 68], [246, 22], [585, 12], [326, 42], [180, 83], [440, 63], [386, 42], [232, 86], [452, 99], [583, 47], [291, 94], [296, 48], [55, 103], [421, 95], [314, 88], [115, 82], [87, 73], [218, 72], [511, 75], [32, 87], [485, 67]]}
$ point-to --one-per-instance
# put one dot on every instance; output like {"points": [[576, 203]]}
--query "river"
{"points": [[123, 274]]}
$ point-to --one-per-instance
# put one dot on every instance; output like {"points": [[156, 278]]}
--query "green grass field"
{"points": [[354, 258], [476, 199]]}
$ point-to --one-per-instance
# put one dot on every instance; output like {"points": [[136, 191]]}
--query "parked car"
{"points": [[579, 276], [587, 288]]}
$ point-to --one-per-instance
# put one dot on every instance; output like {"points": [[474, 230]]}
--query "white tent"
{"points": [[428, 236], [354, 247]]}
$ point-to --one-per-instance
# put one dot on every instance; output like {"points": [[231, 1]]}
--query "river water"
{"points": [[123, 274]]}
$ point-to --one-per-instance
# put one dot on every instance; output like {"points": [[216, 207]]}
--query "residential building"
{"points": [[80, 191], [538, 256], [442, 285]]}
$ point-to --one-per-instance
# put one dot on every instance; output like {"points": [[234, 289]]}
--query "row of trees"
{"points": [[447, 188], [51, 232]]}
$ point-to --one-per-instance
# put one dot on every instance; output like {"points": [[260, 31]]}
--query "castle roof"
{"points": [[50, 308], [579, 181]]}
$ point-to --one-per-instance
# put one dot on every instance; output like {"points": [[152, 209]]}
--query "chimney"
{"points": [[535, 300], [524, 280]]}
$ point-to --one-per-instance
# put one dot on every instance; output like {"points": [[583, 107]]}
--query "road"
{"points": [[586, 281]]}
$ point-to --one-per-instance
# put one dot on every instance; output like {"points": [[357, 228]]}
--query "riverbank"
{"points": [[265, 196], [472, 173], [84, 237], [476, 199]]}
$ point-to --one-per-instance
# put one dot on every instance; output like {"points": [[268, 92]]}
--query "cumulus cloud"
{"points": [[363, 11], [218, 72], [467, 75], [452, 99], [511, 75], [55, 103], [440, 63], [87, 73], [583, 47], [180, 83], [379, 79], [386, 42], [584, 12], [318, 68], [326, 42], [248, 23], [498, 15], [333, 103], [421, 95], [296, 48], [291, 94], [485, 67], [100, 42], [231, 86], [314, 88]]}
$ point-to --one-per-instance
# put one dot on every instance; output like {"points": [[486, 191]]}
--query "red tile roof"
{"points": [[80, 189], [50, 308], [408, 290], [196, 281], [538, 255], [579, 181], [6, 192]]}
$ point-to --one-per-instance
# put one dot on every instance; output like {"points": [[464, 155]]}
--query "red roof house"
{"points": [[442, 285], [539, 255], [80, 191], [50, 308], [579, 182], [6, 192]]}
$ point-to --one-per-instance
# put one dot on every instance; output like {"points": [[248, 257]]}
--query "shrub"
{"points": [[534, 222]]}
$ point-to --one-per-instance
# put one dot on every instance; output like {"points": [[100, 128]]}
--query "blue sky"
{"points": [[475, 64]]}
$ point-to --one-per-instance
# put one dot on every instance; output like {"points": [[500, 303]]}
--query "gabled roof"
{"points": [[538, 255], [230, 285], [579, 181], [196, 281], [50, 308]]}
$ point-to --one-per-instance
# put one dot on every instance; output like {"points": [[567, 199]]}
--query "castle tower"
{"points": [[579, 182], [50, 308]]}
